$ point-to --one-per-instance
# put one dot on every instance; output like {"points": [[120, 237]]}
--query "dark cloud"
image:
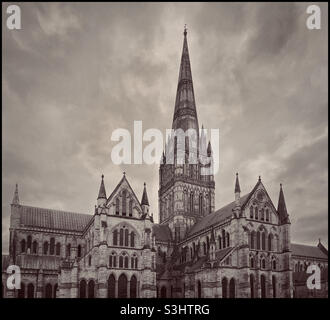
{"points": [[76, 72]]}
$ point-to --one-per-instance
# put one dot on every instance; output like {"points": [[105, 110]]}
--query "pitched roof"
{"points": [[53, 219], [216, 217], [162, 232], [307, 251]]}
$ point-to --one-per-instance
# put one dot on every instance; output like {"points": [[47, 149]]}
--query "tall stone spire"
{"points": [[281, 208], [16, 198], [185, 115]]}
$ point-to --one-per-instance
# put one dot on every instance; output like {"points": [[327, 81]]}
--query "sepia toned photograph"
{"points": [[164, 150]]}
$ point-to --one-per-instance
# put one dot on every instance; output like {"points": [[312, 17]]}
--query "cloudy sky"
{"points": [[76, 72]]}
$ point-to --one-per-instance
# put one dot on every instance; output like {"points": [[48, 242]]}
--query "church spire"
{"points": [[281, 208], [185, 115], [16, 198]]}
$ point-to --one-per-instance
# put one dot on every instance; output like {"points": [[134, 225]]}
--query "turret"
{"points": [[281, 208], [102, 197], [145, 201], [16, 198]]}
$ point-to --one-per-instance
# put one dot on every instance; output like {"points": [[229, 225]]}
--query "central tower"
{"points": [[185, 195]]}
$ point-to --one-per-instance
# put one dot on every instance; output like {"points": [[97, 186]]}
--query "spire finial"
{"points": [[124, 173], [259, 178], [102, 176], [237, 186], [185, 30]]}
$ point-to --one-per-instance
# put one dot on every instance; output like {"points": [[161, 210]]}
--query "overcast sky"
{"points": [[76, 72]]}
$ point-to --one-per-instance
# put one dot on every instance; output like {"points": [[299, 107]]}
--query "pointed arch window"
{"points": [[58, 249], [270, 242], [126, 262], [274, 264], [117, 206], [23, 245], [52, 246], [89, 261], [132, 239], [258, 240], [252, 285], [262, 214], [227, 239], [263, 240], [124, 203], [256, 213], [253, 234], [35, 247], [45, 248], [220, 242], [29, 243], [251, 212], [191, 202], [267, 215], [79, 251], [126, 237], [251, 261], [115, 237], [121, 237], [274, 286], [121, 260], [130, 208], [224, 238], [201, 204]]}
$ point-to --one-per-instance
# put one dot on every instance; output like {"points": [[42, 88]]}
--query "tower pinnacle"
{"points": [[16, 198]]}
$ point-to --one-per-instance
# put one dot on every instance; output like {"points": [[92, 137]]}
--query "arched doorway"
{"points": [[21, 292], [224, 285], [199, 289], [252, 285], [274, 286], [48, 291], [133, 287], [82, 289], [30, 290], [122, 286], [232, 288], [111, 287], [91, 287], [55, 290], [163, 292], [263, 286]]}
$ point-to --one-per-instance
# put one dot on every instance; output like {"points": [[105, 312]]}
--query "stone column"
{"points": [[128, 288]]}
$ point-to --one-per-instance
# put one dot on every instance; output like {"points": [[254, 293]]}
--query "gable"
{"points": [[124, 186], [259, 197]]}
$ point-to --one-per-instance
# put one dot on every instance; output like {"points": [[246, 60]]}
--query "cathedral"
{"points": [[242, 250]]}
